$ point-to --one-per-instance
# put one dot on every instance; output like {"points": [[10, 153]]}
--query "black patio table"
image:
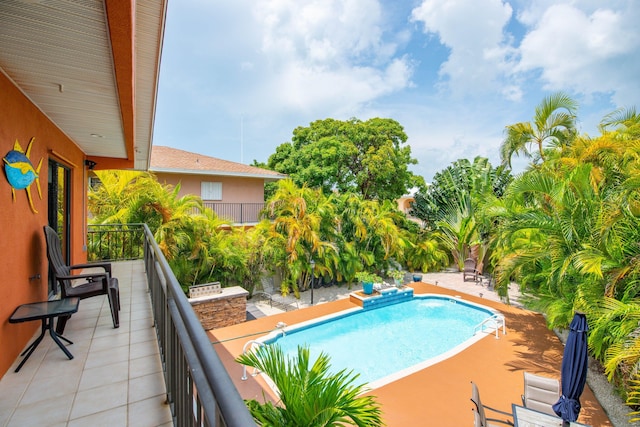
{"points": [[46, 311]]}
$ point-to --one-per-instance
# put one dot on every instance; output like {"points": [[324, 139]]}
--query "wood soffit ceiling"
{"points": [[59, 53]]}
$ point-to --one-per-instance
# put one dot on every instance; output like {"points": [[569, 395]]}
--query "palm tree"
{"points": [[458, 229], [625, 120], [302, 226], [310, 395], [553, 124], [191, 237], [108, 202], [426, 252]]}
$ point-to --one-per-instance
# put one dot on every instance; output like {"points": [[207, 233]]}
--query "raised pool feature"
{"points": [[382, 297], [395, 336]]}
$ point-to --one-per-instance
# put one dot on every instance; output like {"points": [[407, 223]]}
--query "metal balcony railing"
{"points": [[115, 242], [199, 389], [239, 213]]}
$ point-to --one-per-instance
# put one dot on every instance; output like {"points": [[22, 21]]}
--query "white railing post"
{"points": [[497, 319]]}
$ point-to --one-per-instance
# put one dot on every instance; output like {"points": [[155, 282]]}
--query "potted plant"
{"points": [[397, 276], [367, 279]]}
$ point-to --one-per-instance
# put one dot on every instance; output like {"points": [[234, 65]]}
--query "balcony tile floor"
{"points": [[115, 377]]}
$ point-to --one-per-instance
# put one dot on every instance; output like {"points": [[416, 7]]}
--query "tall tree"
{"points": [[300, 231], [477, 180], [452, 206], [553, 124], [368, 157]]}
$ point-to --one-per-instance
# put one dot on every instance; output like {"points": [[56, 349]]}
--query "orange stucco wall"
{"points": [[404, 203], [234, 190], [22, 245]]}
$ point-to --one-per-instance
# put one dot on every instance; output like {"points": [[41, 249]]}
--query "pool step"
{"points": [[381, 298]]}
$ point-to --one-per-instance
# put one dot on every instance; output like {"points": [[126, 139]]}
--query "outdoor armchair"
{"points": [[480, 417], [83, 285], [540, 393], [469, 271]]}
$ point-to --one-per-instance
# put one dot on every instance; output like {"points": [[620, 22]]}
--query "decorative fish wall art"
{"points": [[20, 171]]}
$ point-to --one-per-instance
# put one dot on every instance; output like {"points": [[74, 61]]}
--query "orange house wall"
{"points": [[234, 190], [22, 245]]}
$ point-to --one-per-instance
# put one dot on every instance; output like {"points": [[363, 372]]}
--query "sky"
{"points": [[237, 77]]}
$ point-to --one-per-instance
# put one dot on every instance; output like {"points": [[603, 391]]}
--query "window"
{"points": [[211, 191]]}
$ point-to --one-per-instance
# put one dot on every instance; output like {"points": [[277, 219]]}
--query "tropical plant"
{"points": [[199, 246], [452, 208], [299, 232], [458, 229], [426, 252], [567, 233], [478, 180], [310, 394], [396, 274], [368, 277], [340, 234], [553, 125]]}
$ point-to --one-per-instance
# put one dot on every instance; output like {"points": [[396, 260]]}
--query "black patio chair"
{"points": [[84, 285]]}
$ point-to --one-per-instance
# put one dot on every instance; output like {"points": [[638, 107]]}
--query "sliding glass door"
{"points": [[59, 190]]}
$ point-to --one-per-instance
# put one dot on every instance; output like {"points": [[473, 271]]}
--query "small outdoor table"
{"points": [[527, 417], [46, 311]]}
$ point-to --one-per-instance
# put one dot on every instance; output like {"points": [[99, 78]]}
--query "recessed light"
{"points": [[97, 135]]}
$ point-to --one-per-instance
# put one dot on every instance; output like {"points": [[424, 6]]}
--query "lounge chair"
{"points": [[540, 393], [81, 285], [470, 271], [480, 417]]}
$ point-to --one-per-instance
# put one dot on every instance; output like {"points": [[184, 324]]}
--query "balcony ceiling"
{"points": [[60, 53]]}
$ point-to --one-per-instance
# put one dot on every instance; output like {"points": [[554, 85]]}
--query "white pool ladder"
{"points": [[253, 344], [496, 321]]}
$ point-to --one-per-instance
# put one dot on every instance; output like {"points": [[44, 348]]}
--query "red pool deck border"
{"points": [[439, 394]]}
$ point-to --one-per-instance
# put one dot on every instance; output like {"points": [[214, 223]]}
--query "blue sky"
{"points": [[237, 77]]}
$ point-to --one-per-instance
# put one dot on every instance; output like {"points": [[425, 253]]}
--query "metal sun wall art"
{"points": [[20, 172]]}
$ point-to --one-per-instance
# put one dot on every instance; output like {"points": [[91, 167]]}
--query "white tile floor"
{"points": [[115, 378]]}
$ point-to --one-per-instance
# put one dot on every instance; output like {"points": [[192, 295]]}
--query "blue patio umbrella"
{"points": [[574, 369]]}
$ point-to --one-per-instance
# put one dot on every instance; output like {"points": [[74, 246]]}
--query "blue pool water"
{"points": [[379, 342]]}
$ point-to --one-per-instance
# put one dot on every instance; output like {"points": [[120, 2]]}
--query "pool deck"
{"points": [[439, 394]]}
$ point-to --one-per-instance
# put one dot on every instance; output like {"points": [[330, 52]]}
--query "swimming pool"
{"points": [[386, 343]]}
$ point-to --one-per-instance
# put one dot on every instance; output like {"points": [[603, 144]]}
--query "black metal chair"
{"points": [[90, 284]]}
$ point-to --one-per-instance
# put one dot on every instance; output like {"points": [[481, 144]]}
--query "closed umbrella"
{"points": [[574, 369]]}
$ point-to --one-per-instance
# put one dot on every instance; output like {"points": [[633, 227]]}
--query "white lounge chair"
{"points": [[540, 393]]}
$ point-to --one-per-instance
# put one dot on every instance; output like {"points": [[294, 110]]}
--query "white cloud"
{"points": [[342, 89], [328, 55], [321, 32], [474, 31], [273, 65], [585, 51]]}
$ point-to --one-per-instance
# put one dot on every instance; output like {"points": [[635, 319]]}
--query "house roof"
{"points": [[172, 160], [92, 68]]}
